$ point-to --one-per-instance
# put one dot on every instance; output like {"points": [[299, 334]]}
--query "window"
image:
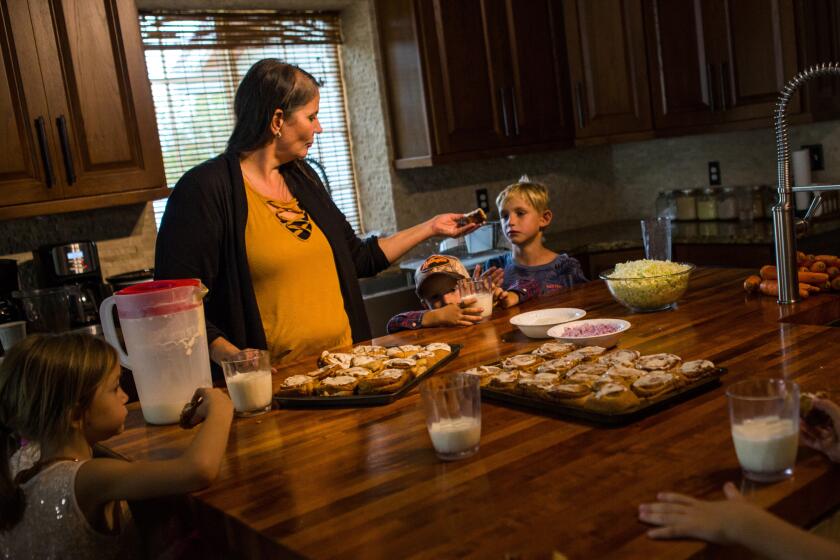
{"points": [[195, 60]]}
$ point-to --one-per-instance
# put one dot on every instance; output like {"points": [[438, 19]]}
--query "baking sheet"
{"points": [[364, 400]]}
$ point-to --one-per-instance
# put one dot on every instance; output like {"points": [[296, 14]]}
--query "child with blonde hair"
{"points": [[61, 393], [530, 267]]}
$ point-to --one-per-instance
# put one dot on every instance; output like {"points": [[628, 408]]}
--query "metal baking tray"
{"points": [[647, 408], [365, 400]]}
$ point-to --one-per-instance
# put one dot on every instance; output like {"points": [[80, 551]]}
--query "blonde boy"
{"points": [[530, 269]]}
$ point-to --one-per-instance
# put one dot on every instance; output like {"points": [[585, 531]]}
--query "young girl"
{"points": [[61, 393], [524, 210]]}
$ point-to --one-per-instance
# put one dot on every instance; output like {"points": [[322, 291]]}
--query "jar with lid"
{"points": [[726, 208], [758, 201], [665, 205], [686, 204], [707, 205]]}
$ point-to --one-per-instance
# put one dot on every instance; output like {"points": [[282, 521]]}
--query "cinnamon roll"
{"points": [[551, 350], [619, 357], [525, 362], [484, 373], [587, 353], [613, 398], [385, 381], [695, 369], [653, 384], [297, 386], [340, 386], [569, 394], [658, 362], [560, 365]]}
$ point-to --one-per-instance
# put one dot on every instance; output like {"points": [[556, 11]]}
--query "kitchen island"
{"points": [[365, 483]]}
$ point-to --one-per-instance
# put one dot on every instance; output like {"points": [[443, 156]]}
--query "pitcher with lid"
{"points": [[166, 343]]}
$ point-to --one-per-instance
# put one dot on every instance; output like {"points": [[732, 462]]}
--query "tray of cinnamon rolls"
{"points": [[364, 376], [592, 383]]}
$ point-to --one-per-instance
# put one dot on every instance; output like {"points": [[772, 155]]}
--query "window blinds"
{"points": [[195, 60]]}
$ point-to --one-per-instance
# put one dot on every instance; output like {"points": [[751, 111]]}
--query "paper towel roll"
{"points": [[801, 163]]}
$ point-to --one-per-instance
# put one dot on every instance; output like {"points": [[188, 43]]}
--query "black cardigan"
{"points": [[202, 235]]}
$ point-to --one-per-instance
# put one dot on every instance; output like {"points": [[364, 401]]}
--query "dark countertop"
{"points": [[626, 234]]}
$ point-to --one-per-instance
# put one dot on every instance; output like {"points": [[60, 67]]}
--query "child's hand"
{"points": [[683, 516], [453, 315], [212, 401], [494, 274], [824, 438], [506, 299]]}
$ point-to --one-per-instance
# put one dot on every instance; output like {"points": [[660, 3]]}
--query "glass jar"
{"points": [[726, 208], [686, 204], [707, 205], [665, 205], [758, 201]]}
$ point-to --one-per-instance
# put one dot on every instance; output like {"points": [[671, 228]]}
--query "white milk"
{"points": [[455, 435], [766, 444], [163, 413], [484, 300], [250, 391]]}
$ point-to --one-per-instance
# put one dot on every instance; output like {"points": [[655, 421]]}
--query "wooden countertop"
{"points": [[357, 483]]}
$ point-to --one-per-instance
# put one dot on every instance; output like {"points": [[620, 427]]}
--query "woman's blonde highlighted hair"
{"points": [[46, 382], [535, 194]]}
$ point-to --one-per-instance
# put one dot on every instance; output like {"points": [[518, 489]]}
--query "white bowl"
{"points": [[606, 340], [536, 324]]}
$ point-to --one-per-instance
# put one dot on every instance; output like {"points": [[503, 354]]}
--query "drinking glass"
{"points": [[453, 414], [764, 417], [248, 378], [656, 236], [481, 291]]}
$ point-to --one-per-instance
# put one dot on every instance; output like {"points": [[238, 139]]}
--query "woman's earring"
{"points": [[279, 134]]}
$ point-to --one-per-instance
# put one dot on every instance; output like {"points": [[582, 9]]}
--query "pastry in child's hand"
{"points": [[658, 362], [187, 413], [339, 386], [525, 362], [484, 373], [370, 363], [589, 352], [552, 350], [813, 416], [613, 398], [341, 359], [653, 384], [386, 381], [569, 394], [695, 369], [297, 386], [620, 357], [560, 365], [477, 216]]}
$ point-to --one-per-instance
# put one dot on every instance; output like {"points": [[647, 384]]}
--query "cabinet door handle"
{"points": [[503, 101], [515, 115], [723, 87], [579, 98], [65, 149], [41, 131], [709, 93]]}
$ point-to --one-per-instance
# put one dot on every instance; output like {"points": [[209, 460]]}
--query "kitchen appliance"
{"points": [[126, 279], [50, 309], [10, 309], [166, 343], [74, 264]]}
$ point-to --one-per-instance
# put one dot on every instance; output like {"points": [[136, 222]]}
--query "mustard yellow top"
{"points": [[295, 279]]}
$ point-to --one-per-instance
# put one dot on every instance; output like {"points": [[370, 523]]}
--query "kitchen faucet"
{"points": [[785, 226]]}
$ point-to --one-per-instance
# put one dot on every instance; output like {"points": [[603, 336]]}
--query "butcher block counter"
{"points": [[365, 482]]}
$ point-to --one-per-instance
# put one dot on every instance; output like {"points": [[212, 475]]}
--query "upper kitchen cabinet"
{"points": [[83, 117], [608, 68], [719, 61], [818, 29], [473, 78]]}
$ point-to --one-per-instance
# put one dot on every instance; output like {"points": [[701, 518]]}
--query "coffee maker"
{"points": [[74, 264]]}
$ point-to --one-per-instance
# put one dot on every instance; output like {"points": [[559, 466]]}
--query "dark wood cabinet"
{"points": [[83, 132], [719, 61], [818, 30], [473, 78], [607, 67]]}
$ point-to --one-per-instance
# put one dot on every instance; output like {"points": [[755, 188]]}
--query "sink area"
{"points": [[823, 310]]}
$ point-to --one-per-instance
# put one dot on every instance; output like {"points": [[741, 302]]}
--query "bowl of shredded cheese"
{"points": [[648, 285]]}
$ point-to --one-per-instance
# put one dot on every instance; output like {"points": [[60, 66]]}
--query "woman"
{"points": [[259, 229]]}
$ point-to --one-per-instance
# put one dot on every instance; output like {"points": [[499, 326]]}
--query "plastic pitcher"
{"points": [[166, 343]]}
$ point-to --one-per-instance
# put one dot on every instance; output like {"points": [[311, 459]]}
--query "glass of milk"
{"points": [[480, 291], [248, 378], [453, 414], [764, 415]]}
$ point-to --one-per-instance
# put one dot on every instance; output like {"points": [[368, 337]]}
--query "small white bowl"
{"points": [[535, 324], [605, 340]]}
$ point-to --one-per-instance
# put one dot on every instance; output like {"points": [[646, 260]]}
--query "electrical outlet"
{"points": [[817, 161], [714, 173], [482, 200]]}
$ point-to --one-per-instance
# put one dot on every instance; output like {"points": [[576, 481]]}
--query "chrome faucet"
{"points": [[785, 226]]}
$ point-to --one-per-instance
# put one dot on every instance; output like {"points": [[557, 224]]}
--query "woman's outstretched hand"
{"points": [[447, 224]]}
